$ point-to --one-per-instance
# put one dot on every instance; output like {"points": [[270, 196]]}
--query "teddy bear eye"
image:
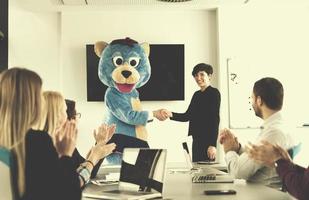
{"points": [[118, 60], [134, 62]]}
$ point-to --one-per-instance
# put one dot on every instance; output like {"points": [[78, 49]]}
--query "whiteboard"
{"points": [[242, 76], [268, 45]]}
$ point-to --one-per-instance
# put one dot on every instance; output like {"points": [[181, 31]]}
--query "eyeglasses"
{"points": [[74, 115], [77, 115]]}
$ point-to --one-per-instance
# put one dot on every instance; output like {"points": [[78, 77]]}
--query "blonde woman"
{"points": [[39, 171], [55, 116]]}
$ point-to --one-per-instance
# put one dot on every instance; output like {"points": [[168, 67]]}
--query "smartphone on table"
{"points": [[219, 192]]}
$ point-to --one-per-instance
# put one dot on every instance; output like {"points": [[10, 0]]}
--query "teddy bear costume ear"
{"points": [[99, 47], [146, 48]]}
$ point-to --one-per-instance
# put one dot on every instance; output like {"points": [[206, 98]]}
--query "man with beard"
{"points": [[267, 100]]}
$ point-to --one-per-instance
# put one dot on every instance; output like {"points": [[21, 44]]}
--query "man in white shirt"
{"points": [[267, 100]]}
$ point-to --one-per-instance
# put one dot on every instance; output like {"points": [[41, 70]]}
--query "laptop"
{"points": [[206, 174], [141, 175], [205, 162], [188, 157]]}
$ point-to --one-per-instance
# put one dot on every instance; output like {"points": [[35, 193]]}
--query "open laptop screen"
{"points": [[142, 169]]}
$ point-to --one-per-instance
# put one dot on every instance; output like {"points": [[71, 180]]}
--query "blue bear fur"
{"points": [[119, 104]]}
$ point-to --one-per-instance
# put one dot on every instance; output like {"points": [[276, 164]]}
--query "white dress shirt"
{"points": [[242, 167]]}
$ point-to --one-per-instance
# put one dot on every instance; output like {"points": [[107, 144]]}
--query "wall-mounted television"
{"points": [[167, 74]]}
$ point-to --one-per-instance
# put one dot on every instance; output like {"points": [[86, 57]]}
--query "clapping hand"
{"points": [[100, 151], [267, 153], [229, 141], [104, 133], [65, 139]]}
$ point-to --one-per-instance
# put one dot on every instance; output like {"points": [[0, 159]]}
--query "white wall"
{"points": [[34, 40]]}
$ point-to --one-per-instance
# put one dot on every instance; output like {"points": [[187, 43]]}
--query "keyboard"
{"points": [[203, 178]]}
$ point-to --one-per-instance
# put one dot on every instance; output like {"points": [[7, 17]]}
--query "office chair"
{"points": [[293, 151], [8, 189]]}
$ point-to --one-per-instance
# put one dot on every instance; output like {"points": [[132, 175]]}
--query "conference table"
{"points": [[178, 185]]}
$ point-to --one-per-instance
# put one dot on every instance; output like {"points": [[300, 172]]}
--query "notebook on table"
{"points": [[141, 175]]}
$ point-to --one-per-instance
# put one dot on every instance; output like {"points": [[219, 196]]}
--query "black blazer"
{"points": [[47, 176], [203, 115]]}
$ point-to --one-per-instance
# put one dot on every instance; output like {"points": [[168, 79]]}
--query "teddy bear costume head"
{"points": [[124, 64], [123, 67]]}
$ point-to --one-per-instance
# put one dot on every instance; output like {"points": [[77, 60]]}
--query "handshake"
{"points": [[162, 114]]}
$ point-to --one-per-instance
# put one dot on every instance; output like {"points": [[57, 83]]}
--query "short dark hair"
{"points": [[271, 92], [202, 67]]}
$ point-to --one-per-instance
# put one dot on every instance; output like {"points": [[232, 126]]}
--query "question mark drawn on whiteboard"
{"points": [[233, 77]]}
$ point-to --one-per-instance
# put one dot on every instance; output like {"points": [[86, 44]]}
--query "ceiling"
{"points": [[64, 5], [84, 5]]}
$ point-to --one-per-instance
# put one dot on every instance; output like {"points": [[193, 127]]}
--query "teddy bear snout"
{"points": [[126, 73]]}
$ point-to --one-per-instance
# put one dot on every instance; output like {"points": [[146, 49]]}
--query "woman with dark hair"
{"points": [[101, 135], [202, 114]]}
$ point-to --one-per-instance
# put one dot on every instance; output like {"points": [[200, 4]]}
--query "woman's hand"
{"points": [[104, 133], [211, 152], [65, 139], [100, 151]]}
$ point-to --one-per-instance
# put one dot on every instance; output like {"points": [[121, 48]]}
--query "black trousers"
{"points": [[199, 150]]}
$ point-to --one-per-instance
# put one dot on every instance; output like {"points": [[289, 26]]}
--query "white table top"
{"points": [[179, 186]]}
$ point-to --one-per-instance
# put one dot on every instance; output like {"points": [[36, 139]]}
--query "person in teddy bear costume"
{"points": [[123, 67]]}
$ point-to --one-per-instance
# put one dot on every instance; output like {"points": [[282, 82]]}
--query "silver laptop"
{"points": [[141, 175], [188, 157], [206, 174], [205, 162]]}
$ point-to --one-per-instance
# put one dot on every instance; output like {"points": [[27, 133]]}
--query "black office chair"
{"points": [[8, 189], [293, 151]]}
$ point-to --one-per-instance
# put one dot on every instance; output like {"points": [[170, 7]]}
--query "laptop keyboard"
{"points": [[203, 178]]}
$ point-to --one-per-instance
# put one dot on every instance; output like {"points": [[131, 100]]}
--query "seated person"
{"points": [[55, 108], [267, 100], [42, 171], [294, 177], [99, 135]]}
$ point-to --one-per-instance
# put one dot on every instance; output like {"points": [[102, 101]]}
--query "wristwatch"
{"points": [[84, 173]]}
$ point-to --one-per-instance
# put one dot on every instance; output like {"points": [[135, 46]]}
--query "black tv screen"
{"points": [[167, 74]]}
